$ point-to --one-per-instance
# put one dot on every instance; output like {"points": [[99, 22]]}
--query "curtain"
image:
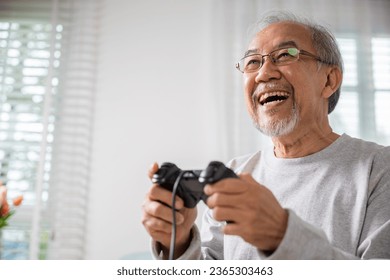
{"points": [[362, 28], [47, 72], [72, 149]]}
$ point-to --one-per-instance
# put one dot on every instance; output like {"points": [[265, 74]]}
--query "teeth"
{"points": [[269, 94]]}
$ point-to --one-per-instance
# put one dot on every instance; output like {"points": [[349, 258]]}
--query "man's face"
{"points": [[302, 82]]}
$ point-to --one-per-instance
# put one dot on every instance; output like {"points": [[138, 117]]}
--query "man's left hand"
{"points": [[250, 209]]}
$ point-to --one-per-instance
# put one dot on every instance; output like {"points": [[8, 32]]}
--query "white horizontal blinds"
{"points": [[71, 151], [47, 66], [346, 115], [381, 62], [27, 116], [363, 109]]}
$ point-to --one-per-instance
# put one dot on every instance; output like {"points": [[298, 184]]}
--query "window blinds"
{"points": [[365, 95], [381, 64], [47, 62]]}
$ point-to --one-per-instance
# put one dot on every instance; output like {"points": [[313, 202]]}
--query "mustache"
{"points": [[272, 86]]}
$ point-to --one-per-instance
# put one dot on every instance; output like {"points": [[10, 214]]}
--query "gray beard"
{"points": [[280, 127]]}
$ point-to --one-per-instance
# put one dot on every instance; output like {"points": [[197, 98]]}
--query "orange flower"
{"points": [[4, 210], [17, 200]]}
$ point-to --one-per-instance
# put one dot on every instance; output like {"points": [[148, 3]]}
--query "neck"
{"points": [[303, 144]]}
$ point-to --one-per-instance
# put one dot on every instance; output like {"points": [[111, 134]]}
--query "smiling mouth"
{"points": [[273, 97]]}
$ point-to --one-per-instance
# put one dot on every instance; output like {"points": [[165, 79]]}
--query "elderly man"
{"points": [[316, 194]]}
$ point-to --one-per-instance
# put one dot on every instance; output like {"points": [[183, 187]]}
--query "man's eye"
{"points": [[253, 63], [284, 55]]}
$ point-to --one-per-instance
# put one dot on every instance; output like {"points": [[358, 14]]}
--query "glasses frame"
{"points": [[300, 52]]}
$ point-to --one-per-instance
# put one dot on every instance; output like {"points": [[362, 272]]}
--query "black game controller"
{"points": [[192, 182]]}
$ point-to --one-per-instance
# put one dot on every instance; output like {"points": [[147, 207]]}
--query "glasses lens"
{"points": [[250, 63], [285, 56]]}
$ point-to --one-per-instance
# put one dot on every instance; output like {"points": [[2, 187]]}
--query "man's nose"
{"points": [[267, 71]]}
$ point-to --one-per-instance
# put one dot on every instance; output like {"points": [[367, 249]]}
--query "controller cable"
{"points": [[173, 236], [174, 191]]}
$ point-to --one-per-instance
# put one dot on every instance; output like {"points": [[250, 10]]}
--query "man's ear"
{"points": [[333, 81]]}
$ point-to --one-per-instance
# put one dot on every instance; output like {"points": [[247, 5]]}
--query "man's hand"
{"points": [[251, 210], [157, 218]]}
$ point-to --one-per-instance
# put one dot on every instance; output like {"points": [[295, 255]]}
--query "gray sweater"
{"points": [[338, 202]]}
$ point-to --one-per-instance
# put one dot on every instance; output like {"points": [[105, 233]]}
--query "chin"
{"points": [[277, 128]]}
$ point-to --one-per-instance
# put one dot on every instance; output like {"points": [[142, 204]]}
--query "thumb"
{"points": [[247, 177], [152, 169]]}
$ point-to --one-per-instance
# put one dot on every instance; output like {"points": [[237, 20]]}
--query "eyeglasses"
{"points": [[283, 56]]}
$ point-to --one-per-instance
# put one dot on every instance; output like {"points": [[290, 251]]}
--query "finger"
{"points": [[246, 177], [226, 214], [153, 224], [163, 212], [222, 199], [152, 169], [233, 229], [228, 185], [158, 193], [159, 236]]}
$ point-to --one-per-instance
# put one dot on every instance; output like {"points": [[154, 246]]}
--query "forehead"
{"points": [[276, 34]]}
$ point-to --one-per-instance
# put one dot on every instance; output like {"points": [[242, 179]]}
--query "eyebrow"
{"points": [[281, 45], [251, 51], [288, 44]]}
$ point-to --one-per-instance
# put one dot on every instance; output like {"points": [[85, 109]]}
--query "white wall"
{"points": [[154, 102], [159, 97]]}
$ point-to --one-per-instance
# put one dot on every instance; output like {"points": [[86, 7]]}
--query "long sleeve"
{"points": [[193, 251], [305, 242]]}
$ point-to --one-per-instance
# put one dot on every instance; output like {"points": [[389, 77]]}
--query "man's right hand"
{"points": [[157, 218]]}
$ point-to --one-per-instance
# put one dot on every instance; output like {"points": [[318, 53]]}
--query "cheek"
{"points": [[300, 83], [249, 84]]}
